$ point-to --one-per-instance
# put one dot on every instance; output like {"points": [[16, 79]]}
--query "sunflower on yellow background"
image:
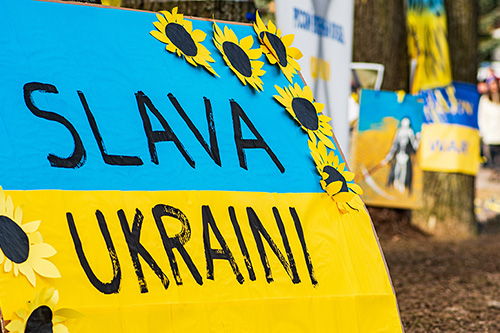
{"points": [[278, 49], [40, 316], [336, 179], [301, 106], [22, 249], [239, 56], [181, 39]]}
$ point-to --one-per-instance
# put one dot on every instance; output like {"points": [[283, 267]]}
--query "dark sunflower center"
{"points": [[13, 241], [305, 113], [39, 321], [334, 176], [238, 58], [181, 38], [277, 45]]}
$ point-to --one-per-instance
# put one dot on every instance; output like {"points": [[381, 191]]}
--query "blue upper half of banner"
{"points": [[455, 104], [80, 84], [375, 105]]}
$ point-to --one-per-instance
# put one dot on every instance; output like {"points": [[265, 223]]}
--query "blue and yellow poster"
{"points": [[168, 174], [428, 44], [450, 135], [387, 154]]}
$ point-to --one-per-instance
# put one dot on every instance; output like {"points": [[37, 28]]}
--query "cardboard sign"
{"points": [[160, 174], [387, 159]]}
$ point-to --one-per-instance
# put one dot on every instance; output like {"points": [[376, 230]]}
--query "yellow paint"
{"points": [[320, 68], [353, 293], [450, 148]]}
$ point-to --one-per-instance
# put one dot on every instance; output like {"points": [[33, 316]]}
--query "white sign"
{"points": [[323, 32]]}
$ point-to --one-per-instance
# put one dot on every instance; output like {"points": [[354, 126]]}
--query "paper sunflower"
{"points": [[39, 315], [239, 56], [22, 249], [336, 180], [301, 106], [180, 38], [278, 49]]}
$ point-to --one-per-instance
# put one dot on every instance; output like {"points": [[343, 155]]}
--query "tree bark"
{"points": [[220, 10]]}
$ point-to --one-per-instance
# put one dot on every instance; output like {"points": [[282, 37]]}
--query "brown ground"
{"points": [[445, 286]]}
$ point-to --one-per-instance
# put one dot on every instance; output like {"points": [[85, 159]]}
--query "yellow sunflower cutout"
{"points": [[277, 49], [336, 179], [239, 56], [40, 316], [181, 39], [301, 106], [22, 249]]}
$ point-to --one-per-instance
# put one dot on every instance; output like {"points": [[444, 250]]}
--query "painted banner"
{"points": [[428, 44], [323, 32], [450, 136], [386, 155], [168, 174]]}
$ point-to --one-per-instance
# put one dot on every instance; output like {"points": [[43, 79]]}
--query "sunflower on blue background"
{"points": [[180, 38]]}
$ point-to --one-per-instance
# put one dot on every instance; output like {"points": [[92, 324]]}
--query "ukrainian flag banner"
{"points": [[450, 137], [168, 174]]}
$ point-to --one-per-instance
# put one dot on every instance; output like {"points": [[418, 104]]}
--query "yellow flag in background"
{"points": [[114, 3]]}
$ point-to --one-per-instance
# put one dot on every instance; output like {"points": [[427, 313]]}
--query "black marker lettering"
{"points": [[158, 136], [77, 158], [237, 113], [224, 253], [108, 159], [132, 237], [178, 241], [213, 150], [106, 288]]}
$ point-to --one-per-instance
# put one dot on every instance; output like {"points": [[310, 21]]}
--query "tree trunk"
{"points": [[448, 198], [221, 10], [380, 35]]}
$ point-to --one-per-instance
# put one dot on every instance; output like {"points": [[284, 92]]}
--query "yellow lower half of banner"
{"points": [[450, 148], [190, 261]]}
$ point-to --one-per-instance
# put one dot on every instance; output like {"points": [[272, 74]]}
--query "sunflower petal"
{"points": [[161, 37], [198, 35], [22, 313], [9, 207], [15, 326], [344, 196], [68, 313], [7, 267], [43, 250], [247, 42], [45, 268], [333, 188], [348, 176], [327, 142], [31, 226], [1, 256], [355, 188], [26, 270], [294, 52], [54, 299], [271, 27], [188, 25], [288, 40], [60, 328], [161, 18]]}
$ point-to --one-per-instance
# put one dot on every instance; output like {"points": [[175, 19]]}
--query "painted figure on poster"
{"points": [[404, 145]]}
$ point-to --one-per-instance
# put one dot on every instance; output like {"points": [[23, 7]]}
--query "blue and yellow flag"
{"points": [[450, 137], [161, 174]]}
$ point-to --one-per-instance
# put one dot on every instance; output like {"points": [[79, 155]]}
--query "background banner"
{"points": [[323, 32], [157, 177], [428, 44], [450, 136], [386, 155]]}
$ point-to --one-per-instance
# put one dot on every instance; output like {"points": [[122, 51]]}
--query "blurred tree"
{"points": [[380, 35], [489, 20]]}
